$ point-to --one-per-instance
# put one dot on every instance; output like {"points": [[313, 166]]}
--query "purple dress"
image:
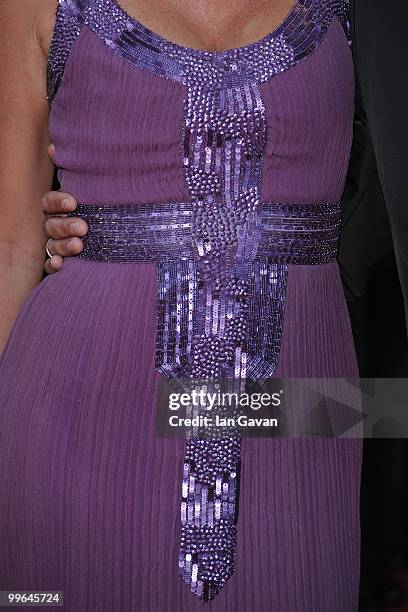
{"points": [[90, 495]]}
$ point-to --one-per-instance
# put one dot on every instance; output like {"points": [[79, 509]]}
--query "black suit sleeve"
{"points": [[380, 47]]}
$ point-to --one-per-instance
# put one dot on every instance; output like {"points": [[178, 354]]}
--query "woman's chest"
{"points": [[213, 25]]}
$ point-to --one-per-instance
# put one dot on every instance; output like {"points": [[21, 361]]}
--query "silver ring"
{"points": [[47, 248]]}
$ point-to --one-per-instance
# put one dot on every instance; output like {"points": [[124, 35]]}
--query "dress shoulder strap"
{"points": [[68, 25]]}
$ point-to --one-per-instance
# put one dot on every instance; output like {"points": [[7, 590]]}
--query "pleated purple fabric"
{"points": [[90, 495]]}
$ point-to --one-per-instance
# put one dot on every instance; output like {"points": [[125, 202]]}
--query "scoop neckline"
{"points": [[135, 23]]}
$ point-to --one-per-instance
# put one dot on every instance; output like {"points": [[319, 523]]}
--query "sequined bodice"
{"points": [[206, 120]]}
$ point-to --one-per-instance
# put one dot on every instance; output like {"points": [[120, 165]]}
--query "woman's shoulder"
{"points": [[33, 18], [25, 28]]}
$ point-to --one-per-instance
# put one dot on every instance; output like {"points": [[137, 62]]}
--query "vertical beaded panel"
{"points": [[223, 145], [68, 24]]}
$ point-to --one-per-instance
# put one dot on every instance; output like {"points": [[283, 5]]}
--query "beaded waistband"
{"points": [[279, 233], [221, 275]]}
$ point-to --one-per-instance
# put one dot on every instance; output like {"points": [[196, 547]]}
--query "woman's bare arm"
{"points": [[25, 170]]}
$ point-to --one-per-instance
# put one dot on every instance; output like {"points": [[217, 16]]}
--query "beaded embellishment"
{"points": [[222, 282], [163, 233], [297, 37]]}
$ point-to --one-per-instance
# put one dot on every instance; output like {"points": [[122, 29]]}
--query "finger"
{"points": [[51, 153], [65, 227], [67, 247], [58, 202], [53, 264]]}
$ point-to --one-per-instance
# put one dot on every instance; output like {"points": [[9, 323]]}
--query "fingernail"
{"points": [[66, 204], [76, 228], [71, 245]]}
